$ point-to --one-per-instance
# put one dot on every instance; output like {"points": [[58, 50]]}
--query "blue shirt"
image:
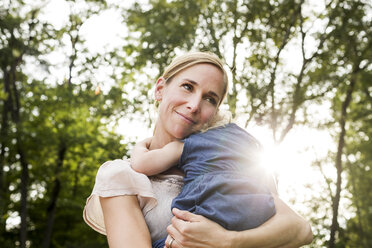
{"points": [[219, 184]]}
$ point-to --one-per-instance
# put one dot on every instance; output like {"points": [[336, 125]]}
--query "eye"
{"points": [[187, 86], [211, 100]]}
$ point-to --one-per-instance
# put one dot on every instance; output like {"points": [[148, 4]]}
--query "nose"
{"points": [[193, 104]]}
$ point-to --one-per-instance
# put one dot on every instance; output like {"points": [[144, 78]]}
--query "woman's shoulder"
{"points": [[118, 161], [115, 163], [111, 167], [116, 172]]}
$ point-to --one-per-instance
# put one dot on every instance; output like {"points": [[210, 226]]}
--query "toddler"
{"points": [[223, 180]]}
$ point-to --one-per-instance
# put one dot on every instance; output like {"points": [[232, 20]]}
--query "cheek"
{"points": [[171, 100], [166, 103], [166, 107]]}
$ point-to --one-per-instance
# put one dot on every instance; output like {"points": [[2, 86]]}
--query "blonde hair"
{"points": [[192, 58], [221, 118]]}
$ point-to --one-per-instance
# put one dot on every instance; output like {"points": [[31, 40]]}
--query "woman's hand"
{"points": [[284, 229], [195, 231]]}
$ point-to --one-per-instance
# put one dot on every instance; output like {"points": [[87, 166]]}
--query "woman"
{"points": [[117, 204]]}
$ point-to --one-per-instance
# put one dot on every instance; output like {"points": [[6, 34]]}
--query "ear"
{"points": [[160, 85]]}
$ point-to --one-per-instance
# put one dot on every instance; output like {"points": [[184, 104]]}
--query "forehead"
{"points": [[206, 76]]}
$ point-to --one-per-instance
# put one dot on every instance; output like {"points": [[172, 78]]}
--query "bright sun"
{"points": [[291, 161]]}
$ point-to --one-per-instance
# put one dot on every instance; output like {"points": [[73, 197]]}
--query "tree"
{"points": [[21, 37], [54, 134], [272, 95], [263, 89], [345, 58], [357, 232], [350, 39]]}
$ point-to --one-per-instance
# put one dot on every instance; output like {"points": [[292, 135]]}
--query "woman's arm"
{"points": [[152, 162], [284, 229], [124, 222]]}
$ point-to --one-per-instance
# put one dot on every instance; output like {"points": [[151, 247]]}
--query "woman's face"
{"points": [[189, 101]]}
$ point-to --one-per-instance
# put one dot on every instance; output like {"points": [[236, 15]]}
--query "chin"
{"points": [[180, 133]]}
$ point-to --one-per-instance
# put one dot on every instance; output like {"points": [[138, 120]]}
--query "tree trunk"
{"points": [[12, 105], [15, 111], [341, 143], [3, 142], [24, 186], [76, 181], [354, 191], [51, 210]]}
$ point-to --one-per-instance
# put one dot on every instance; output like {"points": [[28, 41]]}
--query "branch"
{"points": [[210, 26], [296, 95], [327, 180], [276, 61]]}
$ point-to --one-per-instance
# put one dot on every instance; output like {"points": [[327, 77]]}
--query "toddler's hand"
{"points": [[144, 144], [138, 150]]}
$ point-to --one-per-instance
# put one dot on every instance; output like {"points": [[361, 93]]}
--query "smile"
{"points": [[185, 118]]}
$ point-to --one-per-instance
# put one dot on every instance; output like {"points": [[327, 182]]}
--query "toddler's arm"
{"points": [[152, 162]]}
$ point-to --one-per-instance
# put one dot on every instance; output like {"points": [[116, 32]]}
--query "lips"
{"points": [[185, 118]]}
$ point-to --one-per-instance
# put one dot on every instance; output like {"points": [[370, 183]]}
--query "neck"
{"points": [[160, 138]]}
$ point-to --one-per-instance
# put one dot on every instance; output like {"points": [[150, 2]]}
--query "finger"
{"points": [[176, 244], [177, 227], [185, 215], [177, 235], [168, 242], [172, 232]]}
